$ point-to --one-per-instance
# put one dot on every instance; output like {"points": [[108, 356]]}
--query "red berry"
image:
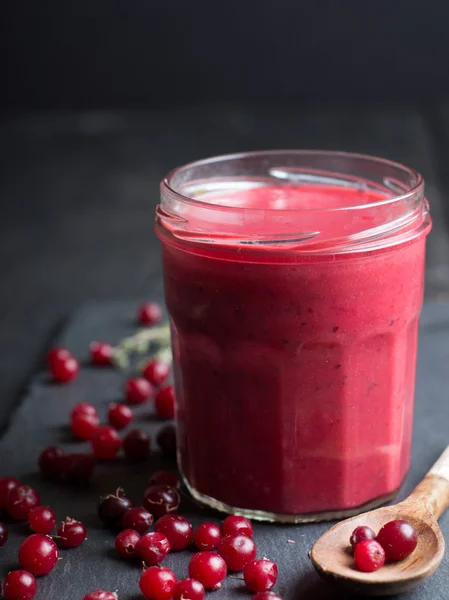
{"points": [[112, 508], [136, 445], [64, 370], [265, 596], [369, 556], [3, 534], [38, 554], [150, 313], [157, 583], [234, 525], [7, 484], [207, 536], [208, 568], [57, 354], [189, 589], [50, 463], [156, 372], [83, 408], [77, 469], [166, 440], [41, 519], [101, 353], [161, 500], [20, 585], [101, 595], [119, 415], [260, 575], [72, 533], [153, 548], [165, 402], [164, 478], [126, 543], [84, 427], [137, 518], [360, 534], [177, 529], [20, 501], [398, 538], [237, 551], [106, 443], [138, 391]]}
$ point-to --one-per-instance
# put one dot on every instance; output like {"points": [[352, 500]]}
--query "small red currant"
{"points": [[38, 554], [156, 372], [101, 353], [137, 518], [126, 543], [237, 551], [106, 443], [398, 538], [157, 583], [42, 519], [369, 556], [20, 501], [64, 370], [234, 525], [153, 548], [161, 500], [149, 313], [177, 529], [188, 589], [72, 533], [84, 427], [138, 390], [260, 575], [119, 415], [361, 533], [208, 568], [207, 536], [20, 585]]}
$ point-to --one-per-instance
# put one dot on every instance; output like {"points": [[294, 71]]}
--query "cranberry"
{"points": [[398, 539], [101, 595], [177, 529], [188, 589], [20, 585], [166, 440], [126, 542], [156, 372], [165, 402], [50, 463], [20, 501], [237, 551], [38, 554], [369, 556], [149, 313], [106, 443], [41, 519], [208, 568], [7, 484], [161, 500], [77, 469], [72, 533], [266, 596], [84, 427], [157, 583], [119, 415], [57, 354], [83, 408], [137, 518], [153, 548], [207, 536], [234, 525], [260, 575], [101, 353], [138, 391], [112, 508], [136, 445], [3, 534], [360, 534], [164, 478], [64, 370]]}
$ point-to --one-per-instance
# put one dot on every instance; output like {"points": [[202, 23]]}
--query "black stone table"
{"points": [[42, 417]]}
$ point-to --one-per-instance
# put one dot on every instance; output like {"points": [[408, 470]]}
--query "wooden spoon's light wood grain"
{"points": [[332, 557]]}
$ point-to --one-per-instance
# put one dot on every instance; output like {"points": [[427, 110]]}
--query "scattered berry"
{"points": [[20, 585], [188, 589], [153, 548], [84, 427], [126, 542], [360, 534], [161, 500], [42, 519], [265, 596], [237, 551], [166, 440], [100, 595], [164, 478], [119, 415], [138, 391], [101, 353], [72, 533], [136, 445], [207, 536], [38, 554], [234, 525], [260, 575], [3, 534], [208, 568], [106, 443], [57, 354], [64, 370], [165, 402], [50, 463], [77, 469], [156, 372], [157, 583], [177, 529], [112, 508], [83, 408], [149, 313], [20, 501], [398, 538], [137, 518], [7, 484], [369, 556]]}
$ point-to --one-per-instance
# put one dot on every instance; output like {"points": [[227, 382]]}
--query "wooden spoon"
{"points": [[332, 557]]}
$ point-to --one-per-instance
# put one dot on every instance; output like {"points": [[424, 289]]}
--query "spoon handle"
{"points": [[432, 494]]}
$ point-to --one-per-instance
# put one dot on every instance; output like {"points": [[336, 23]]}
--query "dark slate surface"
{"points": [[42, 419]]}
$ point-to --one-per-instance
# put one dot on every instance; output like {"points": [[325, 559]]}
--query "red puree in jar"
{"points": [[294, 367]]}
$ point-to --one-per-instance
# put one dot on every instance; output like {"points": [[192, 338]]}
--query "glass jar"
{"points": [[294, 283]]}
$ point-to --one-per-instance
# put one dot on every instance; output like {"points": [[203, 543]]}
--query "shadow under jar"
{"points": [[294, 283]]}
